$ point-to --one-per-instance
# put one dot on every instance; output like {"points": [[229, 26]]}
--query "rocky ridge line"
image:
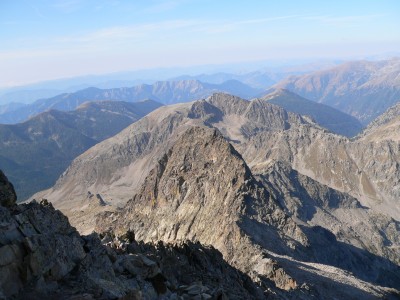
{"points": [[202, 190]]}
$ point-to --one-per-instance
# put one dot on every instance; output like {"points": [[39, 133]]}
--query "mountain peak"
{"points": [[202, 190]]}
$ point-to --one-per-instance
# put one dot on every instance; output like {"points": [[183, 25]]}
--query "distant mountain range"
{"points": [[258, 79], [166, 92], [5, 108], [36, 152], [259, 73], [362, 89]]}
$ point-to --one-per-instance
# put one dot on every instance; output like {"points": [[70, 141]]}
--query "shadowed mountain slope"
{"points": [[326, 116], [36, 152]]}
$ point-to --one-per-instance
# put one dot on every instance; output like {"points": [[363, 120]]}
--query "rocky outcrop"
{"points": [[202, 190], [117, 167], [8, 197], [315, 204], [388, 116], [43, 257]]}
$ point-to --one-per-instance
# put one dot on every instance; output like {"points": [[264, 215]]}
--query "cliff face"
{"points": [[310, 202], [202, 190], [261, 132], [116, 168]]}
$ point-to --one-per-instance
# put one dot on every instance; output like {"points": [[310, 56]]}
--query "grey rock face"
{"points": [[138, 148], [202, 190], [312, 203], [261, 132]]}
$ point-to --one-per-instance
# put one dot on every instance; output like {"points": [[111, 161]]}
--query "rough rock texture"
{"points": [[384, 127], [261, 132], [43, 257], [203, 191], [315, 204], [189, 269], [117, 167], [7, 194]]}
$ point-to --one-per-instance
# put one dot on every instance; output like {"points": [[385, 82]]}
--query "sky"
{"points": [[50, 39]]}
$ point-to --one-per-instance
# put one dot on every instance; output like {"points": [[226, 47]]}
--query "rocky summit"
{"points": [[202, 190], [43, 257]]}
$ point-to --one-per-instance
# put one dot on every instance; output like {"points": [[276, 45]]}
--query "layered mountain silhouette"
{"points": [[166, 92], [36, 152], [283, 199], [362, 89]]}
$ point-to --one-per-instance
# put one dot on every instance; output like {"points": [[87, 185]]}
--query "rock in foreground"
{"points": [[43, 257]]}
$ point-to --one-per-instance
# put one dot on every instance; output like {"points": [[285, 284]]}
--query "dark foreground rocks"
{"points": [[43, 257]]}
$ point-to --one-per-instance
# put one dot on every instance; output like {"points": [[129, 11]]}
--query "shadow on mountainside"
{"points": [[342, 289], [323, 248]]}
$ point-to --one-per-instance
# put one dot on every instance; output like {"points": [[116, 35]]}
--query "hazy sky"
{"points": [[48, 39]]}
